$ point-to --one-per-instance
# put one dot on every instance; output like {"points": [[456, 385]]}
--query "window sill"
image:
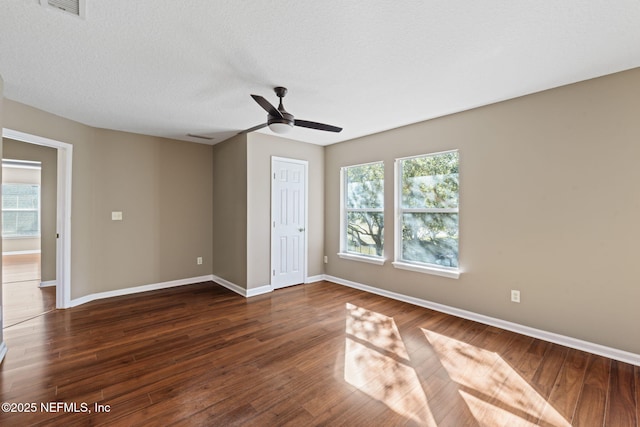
{"points": [[362, 258], [444, 272]]}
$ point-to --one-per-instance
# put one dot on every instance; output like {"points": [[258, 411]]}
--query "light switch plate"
{"points": [[116, 216]]}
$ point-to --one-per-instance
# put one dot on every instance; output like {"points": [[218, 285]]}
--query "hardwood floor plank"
{"points": [[591, 405], [566, 390], [637, 381], [318, 354], [622, 396]]}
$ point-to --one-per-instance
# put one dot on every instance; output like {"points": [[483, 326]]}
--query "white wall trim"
{"points": [[29, 252], [137, 289], [229, 285], [48, 283], [601, 350], [63, 209], [252, 292], [3, 350], [247, 293], [312, 279], [362, 258], [452, 273]]}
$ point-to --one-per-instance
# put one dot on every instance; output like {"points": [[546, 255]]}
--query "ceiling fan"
{"points": [[280, 121]]}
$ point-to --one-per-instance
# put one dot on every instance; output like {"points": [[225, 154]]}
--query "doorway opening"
{"points": [[62, 237]]}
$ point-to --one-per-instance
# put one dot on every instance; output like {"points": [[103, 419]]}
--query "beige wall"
{"points": [[548, 205], [260, 149], [163, 187], [48, 192], [230, 210]]}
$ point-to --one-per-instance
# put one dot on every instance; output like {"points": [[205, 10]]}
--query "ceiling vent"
{"points": [[73, 7], [207, 137]]}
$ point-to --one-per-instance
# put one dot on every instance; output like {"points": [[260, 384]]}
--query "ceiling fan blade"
{"points": [[273, 111], [315, 125], [263, 125]]}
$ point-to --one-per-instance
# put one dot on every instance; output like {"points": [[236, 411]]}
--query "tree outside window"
{"points": [[428, 209], [363, 209]]}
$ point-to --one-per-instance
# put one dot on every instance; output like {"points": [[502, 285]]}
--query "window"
{"points": [[20, 210], [427, 212], [362, 212]]}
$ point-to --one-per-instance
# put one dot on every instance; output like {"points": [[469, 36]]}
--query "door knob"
{"points": [[300, 229]]}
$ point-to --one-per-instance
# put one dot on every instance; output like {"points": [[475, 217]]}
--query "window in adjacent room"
{"points": [[20, 210], [362, 228], [427, 214]]}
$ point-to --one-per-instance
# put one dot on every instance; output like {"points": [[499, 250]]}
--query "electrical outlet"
{"points": [[199, 260], [326, 259], [515, 296]]}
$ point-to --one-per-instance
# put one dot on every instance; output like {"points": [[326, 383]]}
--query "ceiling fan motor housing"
{"points": [[286, 119]]}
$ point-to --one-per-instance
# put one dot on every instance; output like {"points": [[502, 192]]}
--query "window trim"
{"points": [[398, 262], [344, 253]]}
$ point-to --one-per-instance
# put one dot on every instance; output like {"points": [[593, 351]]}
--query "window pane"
{"points": [[430, 238], [20, 223], [430, 182], [9, 223], [364, 232], [27, 223], [20, 196], [9, 201], [28, 201], [365, 186]]}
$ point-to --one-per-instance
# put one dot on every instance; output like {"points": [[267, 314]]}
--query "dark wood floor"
{"points": [[23, 298], [318, 354]]}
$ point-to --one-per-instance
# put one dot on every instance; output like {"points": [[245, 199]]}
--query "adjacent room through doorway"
{"points": [[24, 295]]}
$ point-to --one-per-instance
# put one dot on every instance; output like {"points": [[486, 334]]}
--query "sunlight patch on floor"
{"points": [[377, 363], [494, 392]]}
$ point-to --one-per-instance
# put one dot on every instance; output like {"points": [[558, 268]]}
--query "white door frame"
{"points": [[305, 163], [63, 210]]}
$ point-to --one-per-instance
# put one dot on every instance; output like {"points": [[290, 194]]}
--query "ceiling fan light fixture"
{"points": [[279, 127]]}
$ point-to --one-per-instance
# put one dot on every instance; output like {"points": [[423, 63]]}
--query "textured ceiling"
{"points": [[169, 68]]}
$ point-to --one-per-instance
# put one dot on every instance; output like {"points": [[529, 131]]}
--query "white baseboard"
{"points": [[601, 350], [230, 285], [48, 283], [252, 292], [313, 279], [247, 293], [137, 289], [3, 350], [171, 284]]}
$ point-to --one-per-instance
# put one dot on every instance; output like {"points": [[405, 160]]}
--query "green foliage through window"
{"points": [[429, 209], [363, 204]]}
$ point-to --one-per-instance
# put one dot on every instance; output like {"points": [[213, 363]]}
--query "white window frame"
{"points": [[344, 210], [438, 270]]}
